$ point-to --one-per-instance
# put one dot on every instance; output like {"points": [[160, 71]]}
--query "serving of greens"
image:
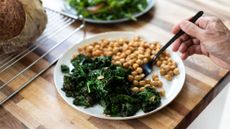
{"points": [[97, 81], [108, 9]]}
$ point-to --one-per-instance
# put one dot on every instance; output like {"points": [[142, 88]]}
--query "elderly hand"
{"points": [[208, 36]]}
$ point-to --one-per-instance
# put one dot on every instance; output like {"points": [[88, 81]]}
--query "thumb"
{"points": [[191, 29]]}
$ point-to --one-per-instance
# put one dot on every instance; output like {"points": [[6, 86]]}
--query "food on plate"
{"points": [[109, 72], [22, 21], [95, 80], [133, 54], [108, 9]]}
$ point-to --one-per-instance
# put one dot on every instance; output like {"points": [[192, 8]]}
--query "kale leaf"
{"points": [[64, 69], [97, 81]]}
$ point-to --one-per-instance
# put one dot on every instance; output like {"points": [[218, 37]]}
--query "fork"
{"points": [[147, 68]]}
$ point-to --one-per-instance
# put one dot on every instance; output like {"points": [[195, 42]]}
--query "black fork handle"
{"points": [[178, 34]]}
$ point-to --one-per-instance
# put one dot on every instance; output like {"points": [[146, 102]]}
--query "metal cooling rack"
{"points": [[19, 69]]}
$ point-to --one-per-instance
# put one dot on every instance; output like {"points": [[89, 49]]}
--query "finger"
{"points": [[194, 49], [185, 45], [176, 28], [178, 42], [196, 41], [184, 55], [192, 29], [204, 21]]}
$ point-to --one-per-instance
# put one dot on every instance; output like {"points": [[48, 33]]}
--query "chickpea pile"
{"points": [[133, 54]]}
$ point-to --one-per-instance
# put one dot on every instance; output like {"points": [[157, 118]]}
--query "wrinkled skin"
{"points": [[208, 36]]}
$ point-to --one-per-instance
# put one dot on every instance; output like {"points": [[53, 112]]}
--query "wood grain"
{"points": [[39, 106]]}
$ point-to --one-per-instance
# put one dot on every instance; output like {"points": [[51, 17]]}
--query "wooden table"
{"points": [[39, 105]]}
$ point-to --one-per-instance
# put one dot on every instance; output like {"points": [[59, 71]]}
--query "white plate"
{"points": [[69, 9], [172, 88]]}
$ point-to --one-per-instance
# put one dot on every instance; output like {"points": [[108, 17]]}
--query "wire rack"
{"points": [[19, 69]]}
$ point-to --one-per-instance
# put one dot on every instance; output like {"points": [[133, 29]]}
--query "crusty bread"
{"points": [[21, 22]]}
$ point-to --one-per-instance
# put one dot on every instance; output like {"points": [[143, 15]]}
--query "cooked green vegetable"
{"points": [[108, 9], [97, 81], [64, 68]]}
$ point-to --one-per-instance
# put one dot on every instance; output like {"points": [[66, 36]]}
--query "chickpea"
{"points": [[119, 53], [97, 53], [115, 50], [131, 62], [131, 48], [126, 65], [159, 63], [171, 73], [142, 88], [122, 55], [165, 62], [151, 46], [152, 83], [167, 54], [176, 71], [156, 79], [153, 52], [154, 76], [84, 48], [162, 92], [135, 66], [89, 49], [166, 68], [128, 52], [139, 70], [115, 58], [147, 55], [134, 73], [168, 77], [137, 77], [116, 44], [145, 60], [135, 83], [158, 46], [160, 84], [139, 62], [142, 83], [122, 60], [110, 53], [158, 49], [162, 71], [132, 55], [141, 56], [142, 75], [80, 49], [125, 47], [172, 67], [97, 46], [155, 83], [110, 49], [147, 85], [135, 89], [147, 81], [117, 62]]}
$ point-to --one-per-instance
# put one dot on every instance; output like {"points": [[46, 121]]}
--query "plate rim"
{"points": [[151, 4], [107, 117]]}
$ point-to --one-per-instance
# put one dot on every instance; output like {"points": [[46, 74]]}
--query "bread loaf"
{"points": [[21, 22]]}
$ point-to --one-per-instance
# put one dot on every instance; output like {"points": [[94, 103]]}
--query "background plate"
{"points": [[70, 10], [172, 88]]}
